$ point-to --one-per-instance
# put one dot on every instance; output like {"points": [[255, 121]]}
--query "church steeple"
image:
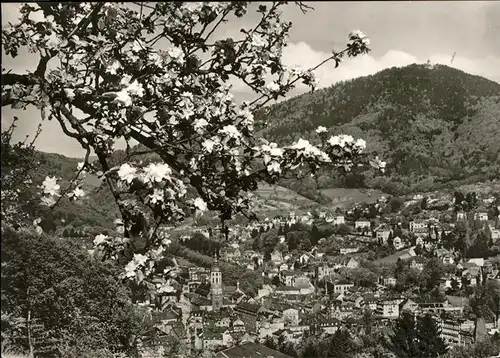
{"points": [[216, 285]]}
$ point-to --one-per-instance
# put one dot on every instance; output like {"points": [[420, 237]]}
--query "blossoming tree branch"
{"points": [[156, 75]]}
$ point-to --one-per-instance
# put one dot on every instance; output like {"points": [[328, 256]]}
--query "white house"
{"points": [[352, 263], [276, 257], [383, 234], [342, 286], [361, 224], [304, 258], [495, 234], [287, 277], [461, 216], [398, 243], [338, 220], [388, 308], [481, 216], [284, 267], [477, 261], [349, 250], [291, 316], [324, 270], [418, 226], [389, 281], [448, 259]]}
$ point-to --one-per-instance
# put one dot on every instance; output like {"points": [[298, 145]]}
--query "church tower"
{"points": [[216, 286]]}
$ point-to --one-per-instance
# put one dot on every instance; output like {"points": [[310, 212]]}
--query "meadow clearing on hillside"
{"points": [[342, 197], [277, 200]]}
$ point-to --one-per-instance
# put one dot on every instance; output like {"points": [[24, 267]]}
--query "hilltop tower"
{"points": [[216, 286]]}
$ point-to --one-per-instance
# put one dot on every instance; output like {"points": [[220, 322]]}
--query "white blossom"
{"points": [[274, 167], [176, 54], [321, 129], [275, 151], [341, 140], [135, 88], [124, 98], [120, 228], [130, 269], [381, 164], [127, 173], [50, 19], [78, 193], [137, 46], [273, 87], [345, 139], [70, 93], [113, 68], [53, 40], [157, 254], [157, 172], [125, 81], [100, 239], [50, 186], [200, 123], [334, 140], [208, 145], [231, 131], [49, 200], [307, 149], [200, 204], [297, 70], [272, 150], [157, 196], [79, 17], [356, 34], [301, 144], [258, 41], [360, 143], [192, 6]]}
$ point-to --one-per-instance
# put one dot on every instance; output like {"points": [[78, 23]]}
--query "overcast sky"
{"points": [[401, 33]]}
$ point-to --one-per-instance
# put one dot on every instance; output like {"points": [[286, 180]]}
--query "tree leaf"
{"points": [[101, 23], [43, 113]]}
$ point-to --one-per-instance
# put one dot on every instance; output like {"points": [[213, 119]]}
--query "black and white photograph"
{"points": [[273, 179]]}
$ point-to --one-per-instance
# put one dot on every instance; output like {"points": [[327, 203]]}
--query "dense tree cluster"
{"points": [[68, 300], [416, 337]]}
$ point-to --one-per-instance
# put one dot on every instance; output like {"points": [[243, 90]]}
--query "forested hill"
{"points": [[430, 123]]}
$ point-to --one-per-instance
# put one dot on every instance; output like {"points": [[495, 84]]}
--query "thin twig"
{"points": [[86, 20], [86, 160]]}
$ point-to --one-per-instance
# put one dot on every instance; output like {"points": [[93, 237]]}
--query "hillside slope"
{"points": [[430, 123]]}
